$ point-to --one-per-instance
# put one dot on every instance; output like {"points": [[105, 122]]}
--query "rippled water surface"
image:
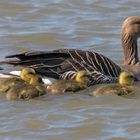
{"points": [[27, 25]]}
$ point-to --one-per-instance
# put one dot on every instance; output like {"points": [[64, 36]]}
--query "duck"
{"points": [[124, 88], [64, 63], [79, 83], [23, 90]]}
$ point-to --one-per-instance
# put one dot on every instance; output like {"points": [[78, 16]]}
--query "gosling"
{"points": [[79, 83], [26, 91], [27, 86], [123, 88], [25, 76]]}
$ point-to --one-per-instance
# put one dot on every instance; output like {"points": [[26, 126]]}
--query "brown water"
{"points": [[84, 24]]}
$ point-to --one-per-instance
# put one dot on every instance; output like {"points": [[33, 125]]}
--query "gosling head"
{"points": [[83, 77], [27, 73], [126, 78], [35, 80]]}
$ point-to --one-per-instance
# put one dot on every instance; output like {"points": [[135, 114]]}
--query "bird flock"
{"points": [[75, 70]]}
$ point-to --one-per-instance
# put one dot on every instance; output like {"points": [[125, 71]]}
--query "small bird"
{"points": [[60, 86], [24, 90], [27, 86], [46, 80], [124, 88], [25, 76]]}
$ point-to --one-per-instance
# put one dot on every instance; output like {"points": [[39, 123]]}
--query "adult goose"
{"points": [[64, 63]]}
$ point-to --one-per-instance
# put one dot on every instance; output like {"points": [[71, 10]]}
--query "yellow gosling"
{"points": [[83, 77], [61, 86], [123, 88], [25, 76], [34, 88], [126, 79]]}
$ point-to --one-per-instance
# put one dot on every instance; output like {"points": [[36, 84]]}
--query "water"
{"points": [[84, 24]]}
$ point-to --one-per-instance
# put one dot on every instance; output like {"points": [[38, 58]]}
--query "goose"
{"points": [[79, 83], [124, 88], [64, 63]]}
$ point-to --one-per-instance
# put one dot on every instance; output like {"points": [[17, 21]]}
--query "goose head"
{"points": [[126, 78], [27, 73], [130, 35], [83, 77], [131, 26]]}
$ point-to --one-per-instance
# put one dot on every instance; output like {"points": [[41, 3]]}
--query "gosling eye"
{"points": [[40, 80], [131, 76], [30, 73]]}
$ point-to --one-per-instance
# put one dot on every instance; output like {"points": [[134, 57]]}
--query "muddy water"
{"points": [[83, 24]]}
